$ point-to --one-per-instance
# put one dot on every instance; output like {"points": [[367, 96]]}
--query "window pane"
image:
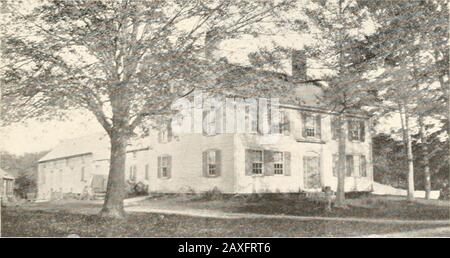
{"points": [[258, 156], [278, 156], [211, 157]]}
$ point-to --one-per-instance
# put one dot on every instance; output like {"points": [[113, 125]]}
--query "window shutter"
{"points": [[318, 125], [349, 165], [205, 163], [261, 115], [287, 163], [146, 172], [363, 130], [286, 124], [304, 124], [169, 166], [305, 172], [159, 136], [349, 130], [204, 122], [363, 166], [248, 162], [334, 128], [219, 119], [268, 163], [169, 131], [159, 167], [218, 162]]}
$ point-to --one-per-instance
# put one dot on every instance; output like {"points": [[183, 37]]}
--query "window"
{"points": [[133, 173], [257, 162], [278, 161], [163, 135], [67, 162], [146, 172], [309, 126], [356, 130], [83, 176], [355, 165], [164, 166], [134, 155], [211, 163], [251, 118]]}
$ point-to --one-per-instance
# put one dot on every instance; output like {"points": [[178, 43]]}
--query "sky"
{"points": [[33, 135]]}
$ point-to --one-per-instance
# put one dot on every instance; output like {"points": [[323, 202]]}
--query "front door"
{"points": [[311, 172]]}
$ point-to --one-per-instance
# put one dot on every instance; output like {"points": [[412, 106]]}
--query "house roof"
{"points": [[5, 175], [97, 145], [251, 82]]}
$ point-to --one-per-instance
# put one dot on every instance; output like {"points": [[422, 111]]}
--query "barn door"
{"points": [[311, 172]]}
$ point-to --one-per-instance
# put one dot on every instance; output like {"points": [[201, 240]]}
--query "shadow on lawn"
{"points": [[364, 207]]}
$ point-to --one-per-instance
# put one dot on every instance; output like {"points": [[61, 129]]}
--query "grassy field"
{"points": [[19, 222], [376, 207], [61, 218]]}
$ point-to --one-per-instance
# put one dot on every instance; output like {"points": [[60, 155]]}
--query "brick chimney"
{"points": [[299, 65]]}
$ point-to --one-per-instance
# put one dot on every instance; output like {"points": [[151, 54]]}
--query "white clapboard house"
{"points": [[269, 142]]}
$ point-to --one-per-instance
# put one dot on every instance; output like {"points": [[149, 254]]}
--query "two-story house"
{"points": [[269, 133]]}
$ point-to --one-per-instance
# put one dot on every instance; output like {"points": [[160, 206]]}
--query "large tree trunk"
{"points": [[342, 138], [426, 162], [408, 144], [115, 192]]}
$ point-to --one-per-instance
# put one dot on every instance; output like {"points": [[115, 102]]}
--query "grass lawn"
{"points": [[365, 207], [20, 222], [379, 207]]}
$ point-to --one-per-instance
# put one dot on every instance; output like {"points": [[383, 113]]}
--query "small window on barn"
{"points": [[133, 173]]}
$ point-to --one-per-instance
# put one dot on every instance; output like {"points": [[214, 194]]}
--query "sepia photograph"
{"points": [[224, 120]]}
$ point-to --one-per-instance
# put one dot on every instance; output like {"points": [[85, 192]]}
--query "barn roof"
{"points": [[97, 145]]}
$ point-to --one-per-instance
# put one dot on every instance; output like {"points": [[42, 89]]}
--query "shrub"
{"points": [[211, 195]]}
